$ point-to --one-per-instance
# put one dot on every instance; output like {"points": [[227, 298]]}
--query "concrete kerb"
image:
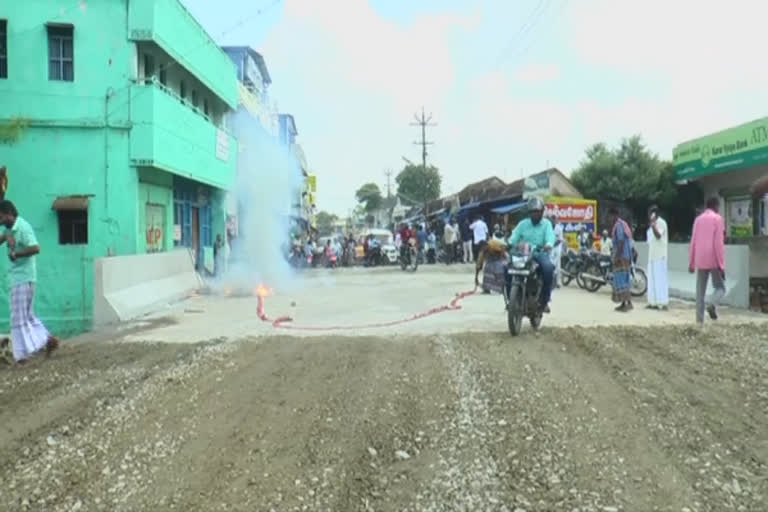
{"points": [[128, 287], [682, 284]]}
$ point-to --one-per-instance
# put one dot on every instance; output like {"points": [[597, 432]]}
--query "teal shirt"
{"points": [[537, 235], [23, 270]]}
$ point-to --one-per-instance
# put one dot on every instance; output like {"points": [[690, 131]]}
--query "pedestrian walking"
{"points": [[218, 256], [658, 277], [431, 246], [479, 235], [707, 259], [466, 242], [622, 261], [557, 250], [28, 334], [450, 236]]}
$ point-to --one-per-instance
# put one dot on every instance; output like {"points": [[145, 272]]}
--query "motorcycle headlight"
{"points": [[519, 261]]}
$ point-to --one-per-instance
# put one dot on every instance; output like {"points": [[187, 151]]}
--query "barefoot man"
{"points": [[28, 333]]}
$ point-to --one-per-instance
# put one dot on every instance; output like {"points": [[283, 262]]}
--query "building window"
{"points": [[61, 58], [205, 106], [182, 91], [149, 68], [163, 77], [73, 227], [3, 49], [194, 99]]}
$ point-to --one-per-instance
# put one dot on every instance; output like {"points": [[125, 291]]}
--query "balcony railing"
{"points": [[169, 134]]}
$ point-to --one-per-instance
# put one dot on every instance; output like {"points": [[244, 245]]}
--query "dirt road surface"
{"points": [[575, 419]]}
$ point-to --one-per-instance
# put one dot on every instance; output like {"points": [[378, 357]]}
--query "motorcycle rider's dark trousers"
{"points": [[547, 269]]}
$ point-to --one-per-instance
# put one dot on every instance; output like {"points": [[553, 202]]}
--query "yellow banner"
{"points": [[312, 180]]}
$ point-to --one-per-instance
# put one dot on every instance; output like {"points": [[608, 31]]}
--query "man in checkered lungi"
{"points": [[28, 334]]}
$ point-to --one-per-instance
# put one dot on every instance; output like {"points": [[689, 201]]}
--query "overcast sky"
{"points": [[513, 85]]}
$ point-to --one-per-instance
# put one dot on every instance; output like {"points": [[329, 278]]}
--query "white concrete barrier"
{"points": [[127, 287], [682, 284]]}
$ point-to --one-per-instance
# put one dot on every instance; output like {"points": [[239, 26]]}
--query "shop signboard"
{"points": [[736, 148], [575, 214], [222, 145]]}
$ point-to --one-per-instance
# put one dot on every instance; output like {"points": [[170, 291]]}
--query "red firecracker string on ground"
{"points": [[285, 322]]}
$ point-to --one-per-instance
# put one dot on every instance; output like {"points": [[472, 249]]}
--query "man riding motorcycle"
{"points": [[539, 234], [406, 235]]}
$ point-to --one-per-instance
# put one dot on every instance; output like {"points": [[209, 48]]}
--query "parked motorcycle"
{"points": [[570, 266], [523, 295], [598, 271]]}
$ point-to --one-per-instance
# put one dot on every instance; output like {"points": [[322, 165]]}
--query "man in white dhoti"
{"points": [[28, 334], [658, 277], [557, 250]]}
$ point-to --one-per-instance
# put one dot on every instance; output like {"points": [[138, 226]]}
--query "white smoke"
{"points": [[268, 185]]}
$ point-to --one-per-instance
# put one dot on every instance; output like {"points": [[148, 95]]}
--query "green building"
{"points": [[113, 125]]}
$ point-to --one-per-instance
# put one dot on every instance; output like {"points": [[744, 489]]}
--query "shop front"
{"points": [[727, 165]]}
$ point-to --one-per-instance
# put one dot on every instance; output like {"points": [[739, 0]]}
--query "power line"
{"points": [[526, 27], [555, 15]]}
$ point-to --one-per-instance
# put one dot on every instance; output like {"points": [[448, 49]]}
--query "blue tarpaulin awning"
{"points": [[509, 208], [468, 206]]}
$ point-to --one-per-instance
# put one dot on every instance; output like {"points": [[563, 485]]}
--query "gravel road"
{"points": [[578, 419]]}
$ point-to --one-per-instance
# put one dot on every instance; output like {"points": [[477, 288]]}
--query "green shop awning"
{"points": [[736, 148]]}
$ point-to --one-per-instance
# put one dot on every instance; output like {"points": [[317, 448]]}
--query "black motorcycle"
{"points": [[409, 257], [598, 271], [523, 295], [570, 266], [374, 258]]}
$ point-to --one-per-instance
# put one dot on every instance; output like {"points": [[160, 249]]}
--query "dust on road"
{"points": [[602, 420]]}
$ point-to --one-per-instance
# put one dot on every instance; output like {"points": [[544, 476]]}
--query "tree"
{"points": [[633, 175], [417, 185], [325, 222], [370, 195]]}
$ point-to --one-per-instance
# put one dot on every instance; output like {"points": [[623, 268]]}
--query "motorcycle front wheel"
{"points": [[515, 309], [568, 272], [590, 284], [639, 283]]}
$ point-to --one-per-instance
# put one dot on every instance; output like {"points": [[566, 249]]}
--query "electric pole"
{"points": [[423, 122], [388, 174]]}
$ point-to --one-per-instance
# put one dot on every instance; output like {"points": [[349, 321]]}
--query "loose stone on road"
{"points": [[600, 419]]}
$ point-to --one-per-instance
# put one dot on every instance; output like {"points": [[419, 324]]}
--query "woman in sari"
{"points": [[622, 261]]}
